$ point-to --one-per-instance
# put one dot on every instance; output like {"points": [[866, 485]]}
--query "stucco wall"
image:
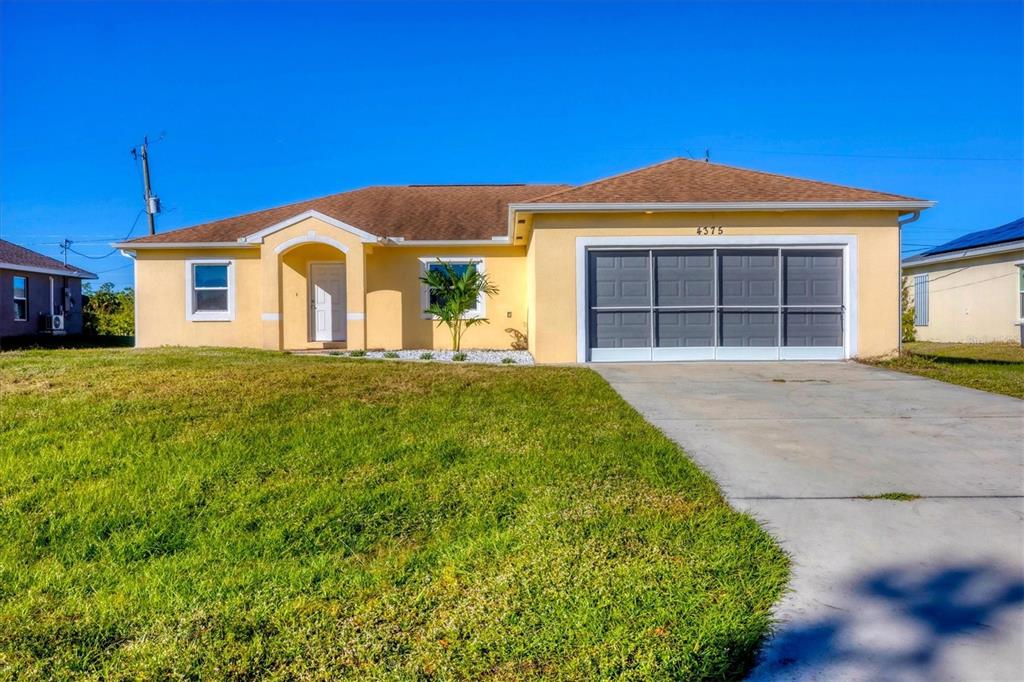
{"points": [[537, 283], [394, 307], [160, 312], [971, 301], [553, 241]]}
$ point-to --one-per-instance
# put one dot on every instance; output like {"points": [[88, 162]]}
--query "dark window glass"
{"points": [[460, 270], [20, 298], [211, 300]]}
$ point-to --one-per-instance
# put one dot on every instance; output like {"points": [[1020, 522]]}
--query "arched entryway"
{"points": [[313, 294]]}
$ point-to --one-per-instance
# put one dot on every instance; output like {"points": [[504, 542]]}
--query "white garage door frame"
{"points": [[848, 244]]}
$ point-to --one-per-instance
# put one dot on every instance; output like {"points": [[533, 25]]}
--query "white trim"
{"points": [[310, 237], [78, 274], [811, 353], [355, 317], [481, 303], [192, 315], [257, 237], [745, 353], [555, 207], [993, 249], [183, 245], [271, 317], [683, 354], [848, 243], [493, 241], [310, 319]]}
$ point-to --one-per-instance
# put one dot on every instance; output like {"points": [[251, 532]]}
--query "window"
{"points": [[1020, 288], [210, 291], [921, 300], [20, 299], [460, 265]]}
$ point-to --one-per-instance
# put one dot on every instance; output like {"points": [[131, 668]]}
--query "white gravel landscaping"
{"points": [[489, 357]]}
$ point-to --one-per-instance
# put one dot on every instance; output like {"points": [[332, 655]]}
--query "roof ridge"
{"points": [[610, 177], [795, 177], [675, 159]]}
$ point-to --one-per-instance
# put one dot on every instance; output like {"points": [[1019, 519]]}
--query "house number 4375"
{"points": [[708, 230]]}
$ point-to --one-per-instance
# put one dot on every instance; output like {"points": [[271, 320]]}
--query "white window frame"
{"points": [[426, 262], [193, 315], [15, 298]]}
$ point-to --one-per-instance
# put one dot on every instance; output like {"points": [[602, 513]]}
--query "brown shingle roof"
{"points": [[688, 181], [406, 211], [455, 212], [13, 255]]}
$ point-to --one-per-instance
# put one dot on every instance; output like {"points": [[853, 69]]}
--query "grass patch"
{"points": [[993, 367], [212, 514], [895, 496]]}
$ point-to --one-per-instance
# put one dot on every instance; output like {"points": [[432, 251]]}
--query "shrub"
{"points": [[508, 361], [106, 312], [907, 328], [357, 354], [454, 291], [426, 356], [390, 354], [459, 357]]}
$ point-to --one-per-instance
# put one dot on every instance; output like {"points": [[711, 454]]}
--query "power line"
{"points": [[967, 284], [880, 156]]}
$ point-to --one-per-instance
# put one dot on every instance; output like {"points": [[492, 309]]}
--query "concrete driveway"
{"points": [[924, 590]]}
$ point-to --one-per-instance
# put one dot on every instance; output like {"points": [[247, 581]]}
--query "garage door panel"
{"points": [[685, 329], [684, 278], [623, 329], [813, 277], [749, 328], [619, 279], [822, 328], [748, 278], [716, 304]]}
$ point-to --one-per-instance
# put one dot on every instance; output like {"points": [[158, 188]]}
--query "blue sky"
{"points": [[262, 104]]}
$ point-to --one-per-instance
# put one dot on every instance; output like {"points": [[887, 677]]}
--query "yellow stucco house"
{"points": [[682, 260], [970, 289]]}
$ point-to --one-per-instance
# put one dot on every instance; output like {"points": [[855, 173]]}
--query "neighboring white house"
{"points": [[970, 289]]}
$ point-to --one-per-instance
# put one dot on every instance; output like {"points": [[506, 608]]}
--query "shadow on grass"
{"points": [[49, 342], [950, 360], [907, 619]]}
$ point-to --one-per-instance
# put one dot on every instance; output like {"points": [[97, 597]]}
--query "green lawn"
{"points": [[213, 514], [994, 367]]}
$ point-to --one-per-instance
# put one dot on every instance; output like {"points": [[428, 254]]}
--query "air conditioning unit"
{"points": [[53, 323]]}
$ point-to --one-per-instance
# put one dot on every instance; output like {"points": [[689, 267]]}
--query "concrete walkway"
{"points": [[926, 590]]}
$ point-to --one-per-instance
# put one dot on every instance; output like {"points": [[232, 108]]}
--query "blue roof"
{"points": [[997, 235]]}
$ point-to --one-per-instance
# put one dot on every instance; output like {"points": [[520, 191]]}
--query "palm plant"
{"points": [[454, 291]]}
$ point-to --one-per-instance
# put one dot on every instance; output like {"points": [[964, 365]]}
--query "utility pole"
{"points": [[152, 201], [64, 246]]}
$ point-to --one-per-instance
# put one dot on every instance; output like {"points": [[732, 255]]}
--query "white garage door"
{"points": [[731, 303]]}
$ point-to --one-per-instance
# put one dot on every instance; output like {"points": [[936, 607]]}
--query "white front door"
{"points": [[327, 302]]}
